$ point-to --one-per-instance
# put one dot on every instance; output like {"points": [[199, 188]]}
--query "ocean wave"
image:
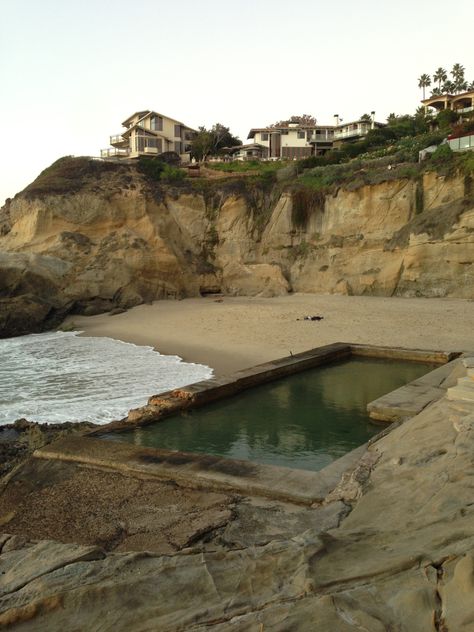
{"points": [[61, 376]]}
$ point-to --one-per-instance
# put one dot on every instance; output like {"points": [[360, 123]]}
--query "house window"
{"points": [[177, 131], [139, 143], [301, 134], [177, 147], [156, 123], [265, 136]]}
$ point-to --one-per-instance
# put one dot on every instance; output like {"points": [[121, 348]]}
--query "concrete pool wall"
{"points": [[204, 471], [201, 393]]}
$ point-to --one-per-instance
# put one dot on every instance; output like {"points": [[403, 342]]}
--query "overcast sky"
{"points": [[72, 70]]}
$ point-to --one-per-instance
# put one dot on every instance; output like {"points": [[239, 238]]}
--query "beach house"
{"points": [[462, 103], [354, 130], [292, 140], [149, 133]]}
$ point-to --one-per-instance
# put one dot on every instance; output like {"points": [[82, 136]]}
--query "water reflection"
{"points": [[304, 421]]}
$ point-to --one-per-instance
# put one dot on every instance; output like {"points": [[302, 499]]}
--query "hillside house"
{"points": [[462, 103], [354, 130], [252, 151], [149, 133], [293, 140]]}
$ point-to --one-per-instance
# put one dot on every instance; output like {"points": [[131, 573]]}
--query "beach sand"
{"points": [[232, 333]]}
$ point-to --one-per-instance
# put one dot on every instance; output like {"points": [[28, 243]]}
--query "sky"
{"points": [[72, 70]]}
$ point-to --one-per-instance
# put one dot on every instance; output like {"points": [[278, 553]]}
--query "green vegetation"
{"points": [[69, 175], [306, 200], [301, 119], [159, 171], [211, 142], [300, 251], [419, 197], [257, 167], [423, 82], [445, 85]]}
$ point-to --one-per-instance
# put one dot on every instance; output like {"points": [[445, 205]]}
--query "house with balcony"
{"points": [[252, 151], [354, 130], [292, 140], [462, 104], [149, 133]]}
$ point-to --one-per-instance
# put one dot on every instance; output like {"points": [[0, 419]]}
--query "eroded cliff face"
{"points": [[120, 241]]}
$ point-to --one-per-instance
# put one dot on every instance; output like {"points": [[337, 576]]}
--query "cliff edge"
{"points": [[90, 236]]}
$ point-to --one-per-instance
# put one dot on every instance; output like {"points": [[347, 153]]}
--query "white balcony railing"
{"points": [[464, 110], [114, 152], [321, 138], [117, 138], [360, 131]]}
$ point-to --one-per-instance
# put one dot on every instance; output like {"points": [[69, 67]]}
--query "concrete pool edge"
{"points": [[201, 471], [204, 471], [195, 395]]}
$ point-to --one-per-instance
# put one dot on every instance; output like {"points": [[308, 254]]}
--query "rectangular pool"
{"points": [[303, 421]]}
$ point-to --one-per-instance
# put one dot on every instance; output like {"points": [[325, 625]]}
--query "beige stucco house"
{"points": [[462, 103], [354, 130], [252, 151], [293, 140], [149, 133]]}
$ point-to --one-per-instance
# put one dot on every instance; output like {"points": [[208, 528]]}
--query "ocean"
{"points": [[60, 376]]}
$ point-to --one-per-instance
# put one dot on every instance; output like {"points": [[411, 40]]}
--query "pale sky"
{"points": [[72, 70]]}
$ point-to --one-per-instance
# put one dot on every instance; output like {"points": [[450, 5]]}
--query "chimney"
{"points": [[372, 119], [336, 119]]}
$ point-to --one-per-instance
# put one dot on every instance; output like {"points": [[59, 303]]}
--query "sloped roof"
{"points": [[144, 113]]}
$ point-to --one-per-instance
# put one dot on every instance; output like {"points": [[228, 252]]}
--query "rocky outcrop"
{"points": [[114, 239], [393, 551]]}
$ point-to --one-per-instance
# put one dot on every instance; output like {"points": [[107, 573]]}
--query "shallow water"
{"points": [[61, 376], [303, 421]]}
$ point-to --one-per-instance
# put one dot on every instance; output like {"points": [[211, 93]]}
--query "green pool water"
{"points": [[304, 421]]}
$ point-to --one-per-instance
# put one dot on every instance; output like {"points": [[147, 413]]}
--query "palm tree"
{"points": [[440, 76], [459, 81], [423, 82], [471, 86], [435, 92], [448, 87], [458, 72]]}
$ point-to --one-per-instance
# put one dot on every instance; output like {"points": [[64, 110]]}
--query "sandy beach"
{"points": [[232, 333]]}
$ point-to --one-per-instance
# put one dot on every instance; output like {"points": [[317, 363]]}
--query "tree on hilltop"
{"points": [[209, 142], [306, 120], [423, 82], [459, 80], [440, 76], [448, 87], [454, 85]]}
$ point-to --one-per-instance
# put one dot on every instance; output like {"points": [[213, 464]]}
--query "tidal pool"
{"points": [[303, 421]]}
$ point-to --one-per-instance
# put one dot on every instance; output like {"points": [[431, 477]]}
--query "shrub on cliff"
{"points": [[68, 175], [158, 170]]}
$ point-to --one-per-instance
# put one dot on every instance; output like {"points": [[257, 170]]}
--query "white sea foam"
{"points": [[60, 376]]}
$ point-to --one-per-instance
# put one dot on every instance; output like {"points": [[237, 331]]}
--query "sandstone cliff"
{"points": [[90, 236]]}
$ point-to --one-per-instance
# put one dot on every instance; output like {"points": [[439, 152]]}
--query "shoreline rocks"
{"points": [[21, 438]]}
